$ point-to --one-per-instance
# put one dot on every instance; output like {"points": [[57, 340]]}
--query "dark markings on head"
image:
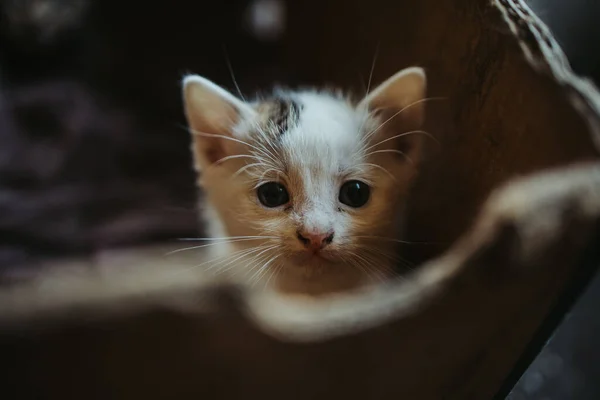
{"points": [[284, 114]]}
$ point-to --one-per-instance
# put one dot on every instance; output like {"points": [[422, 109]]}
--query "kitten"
{"points": [[305, 190]]}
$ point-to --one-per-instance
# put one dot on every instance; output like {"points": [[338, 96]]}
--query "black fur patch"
{"points": [[285, 114]]}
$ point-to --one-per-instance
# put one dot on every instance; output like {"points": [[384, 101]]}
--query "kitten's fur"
{"points": [[311, 142]]}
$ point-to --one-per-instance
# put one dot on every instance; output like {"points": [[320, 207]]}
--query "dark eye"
{"points": [[354, 194], [272, 194]]}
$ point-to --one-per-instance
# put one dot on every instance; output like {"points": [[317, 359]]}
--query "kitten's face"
{"points": [[320, 180]]}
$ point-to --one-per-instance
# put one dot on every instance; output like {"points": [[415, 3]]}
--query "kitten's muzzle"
{"points": [[315, 241]]}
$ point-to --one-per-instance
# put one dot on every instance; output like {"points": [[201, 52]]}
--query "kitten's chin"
{"points": [[316, 276], [318, 260]]}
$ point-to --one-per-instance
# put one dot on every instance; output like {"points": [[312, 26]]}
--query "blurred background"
{"points": [[93, 152]]}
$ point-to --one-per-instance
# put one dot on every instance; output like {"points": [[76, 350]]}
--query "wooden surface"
{"points": [[499, 118], [185, 340]]}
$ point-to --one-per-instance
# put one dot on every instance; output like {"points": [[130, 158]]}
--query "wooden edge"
{"points": [[544, 54], [528, 220], [534, 215]]}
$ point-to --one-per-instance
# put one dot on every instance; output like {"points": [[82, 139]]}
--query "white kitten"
{"points": [[308, 187]]}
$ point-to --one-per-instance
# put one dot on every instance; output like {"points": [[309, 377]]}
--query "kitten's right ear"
{"points": [[212, 113]]}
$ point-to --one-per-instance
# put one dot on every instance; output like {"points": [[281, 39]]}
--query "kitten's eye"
{"points": [[354, 194], [272, 194]]}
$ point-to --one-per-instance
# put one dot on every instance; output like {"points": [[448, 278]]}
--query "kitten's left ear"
{"points": [[400, 101]]}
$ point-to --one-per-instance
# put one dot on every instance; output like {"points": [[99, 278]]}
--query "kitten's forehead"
{"points": [[324, 133], [327, 117], [312, 137]]}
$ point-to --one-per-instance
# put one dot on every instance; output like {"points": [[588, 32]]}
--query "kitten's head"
{"points": [[315, 181]]}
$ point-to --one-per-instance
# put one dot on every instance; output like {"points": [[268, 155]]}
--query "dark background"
{"points": [[93, 152]]}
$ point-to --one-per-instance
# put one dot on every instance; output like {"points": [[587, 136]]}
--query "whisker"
{"points": [[210, 244], [395, 258], [244, 168], [260, 179], [382, 268], [356, 261], [274, 272], [256, 260], [261, 271], [368, 135], [226, 257], [401, 135], [225, 137], [369, 270], [252, 251], [380, 168], [403, 154], [352, 263], [267, 153], [372, 68], [267, 141], [366, 116], [230, 237], [394, 240], [201, 246], [262, 251], [233, 157], [228, 61]]}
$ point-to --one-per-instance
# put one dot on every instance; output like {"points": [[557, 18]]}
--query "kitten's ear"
{"points": [[403, 92], [212, 113], [401, 100]]}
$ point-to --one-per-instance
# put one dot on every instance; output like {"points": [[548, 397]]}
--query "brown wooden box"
{"points": [[511, 197]]}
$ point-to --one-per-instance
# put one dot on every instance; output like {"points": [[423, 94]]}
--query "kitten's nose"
{"points": [[315, 240]]}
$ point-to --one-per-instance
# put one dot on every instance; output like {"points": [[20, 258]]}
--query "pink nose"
{"points": [[315, 240]]}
